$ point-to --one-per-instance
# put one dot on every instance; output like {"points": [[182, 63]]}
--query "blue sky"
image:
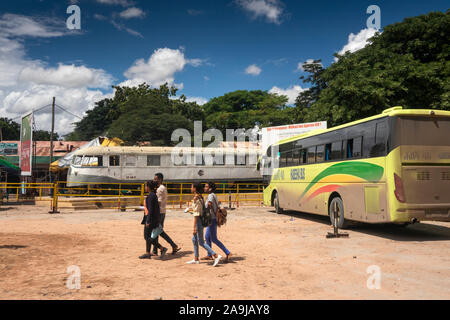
{"points": [[203, 47]]}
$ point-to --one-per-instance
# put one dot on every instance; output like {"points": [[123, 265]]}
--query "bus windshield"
{"points": [[429, 131]]}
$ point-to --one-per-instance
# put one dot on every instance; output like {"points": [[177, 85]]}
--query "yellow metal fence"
{"points": [[123, 195]]}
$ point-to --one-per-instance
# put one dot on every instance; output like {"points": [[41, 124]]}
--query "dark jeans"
{"points": [[164, 235], [149, 240]]}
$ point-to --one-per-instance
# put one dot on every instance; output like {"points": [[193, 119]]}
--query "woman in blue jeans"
{"points": [[211, 231], [197, 239]]}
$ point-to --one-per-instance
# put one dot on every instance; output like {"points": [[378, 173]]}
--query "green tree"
{"points": [[408, 65], [43, 135], [244, 109], [10, 129], [139, 113]]}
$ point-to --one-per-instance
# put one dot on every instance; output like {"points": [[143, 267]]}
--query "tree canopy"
{"points": [[244, 109], [408, 65], [137, 114]]}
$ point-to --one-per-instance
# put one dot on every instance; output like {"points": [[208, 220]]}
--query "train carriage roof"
{"points": [[157, 150]]}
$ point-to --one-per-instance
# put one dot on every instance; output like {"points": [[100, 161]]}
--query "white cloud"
{"points": [[159, 68], [292, 92], [301, 64], [358, 41], [69, 76], [200, 100], [19, 26], [132, 12], [253, 70], [27, 84], [122, 27], [271, 10]]}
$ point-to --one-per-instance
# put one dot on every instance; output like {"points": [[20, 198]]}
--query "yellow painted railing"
{"points": [[127, 194]]}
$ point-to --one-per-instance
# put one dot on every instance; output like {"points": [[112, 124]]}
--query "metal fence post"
{"points": [[181, 197], [120, 191], [142, 195], [55, 199], [237, 195]]}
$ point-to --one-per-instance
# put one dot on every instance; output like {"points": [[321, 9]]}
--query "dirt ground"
{"points": [[275, 257]]}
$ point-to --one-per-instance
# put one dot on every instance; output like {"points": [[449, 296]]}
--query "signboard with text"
{"points": [[26, 143], [8, 149], [272, 135]]}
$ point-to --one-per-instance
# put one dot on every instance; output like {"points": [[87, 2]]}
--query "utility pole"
{"points": [[51, 138]]}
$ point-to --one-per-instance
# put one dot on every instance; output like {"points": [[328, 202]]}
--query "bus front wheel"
{"points": [[276, 203], [337, 208]]}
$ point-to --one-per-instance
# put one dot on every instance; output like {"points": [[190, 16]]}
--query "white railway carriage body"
{"points": [[139, 164]]}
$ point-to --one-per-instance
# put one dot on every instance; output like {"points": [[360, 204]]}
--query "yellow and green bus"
{"points": [[390, 168]]}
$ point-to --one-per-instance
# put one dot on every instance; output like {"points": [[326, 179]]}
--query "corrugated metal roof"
{"points": [[60, 148]]}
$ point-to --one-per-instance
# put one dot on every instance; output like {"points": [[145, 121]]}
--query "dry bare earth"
{"points": [[275, 257]]}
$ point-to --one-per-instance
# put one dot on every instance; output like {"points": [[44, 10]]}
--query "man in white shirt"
{"points": [[162, 195]]}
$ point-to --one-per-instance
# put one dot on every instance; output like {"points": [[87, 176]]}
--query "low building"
{"points": [[41, 155]]}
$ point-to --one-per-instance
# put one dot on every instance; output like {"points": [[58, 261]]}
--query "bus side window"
{"points": [[311, 154], [303, 156], [349, 148], [328, 152], [283, 158], [296, 157], [336, 150], [357, 147], [320, 153], [379, 148]]}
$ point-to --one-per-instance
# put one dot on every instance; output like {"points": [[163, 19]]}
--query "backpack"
{"points": [[221, 214], [205, 214]]}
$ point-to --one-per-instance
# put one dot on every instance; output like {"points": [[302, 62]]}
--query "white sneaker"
{"points": [[216, 260], [193, 261]]}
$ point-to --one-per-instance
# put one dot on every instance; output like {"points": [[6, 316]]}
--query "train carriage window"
{"points": [[114, 161], [311, 155], [130, 161], [320, 153], [199, 159], [240, 159], [154, 160], [86, 161], [77, 160], [336, 150], [218, 159], [182, 159], [99, 161]]}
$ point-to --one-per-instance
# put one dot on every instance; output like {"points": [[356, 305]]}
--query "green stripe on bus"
{"points": [[364, 170]]}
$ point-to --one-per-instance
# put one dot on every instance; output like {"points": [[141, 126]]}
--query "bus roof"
{"points": [[394, 111]]}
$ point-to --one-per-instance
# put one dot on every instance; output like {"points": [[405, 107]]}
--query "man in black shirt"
{"points": [[151, 220]]}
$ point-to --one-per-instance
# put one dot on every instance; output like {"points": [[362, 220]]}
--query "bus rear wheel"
{"points": [[337, 208], [276, 203]]}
